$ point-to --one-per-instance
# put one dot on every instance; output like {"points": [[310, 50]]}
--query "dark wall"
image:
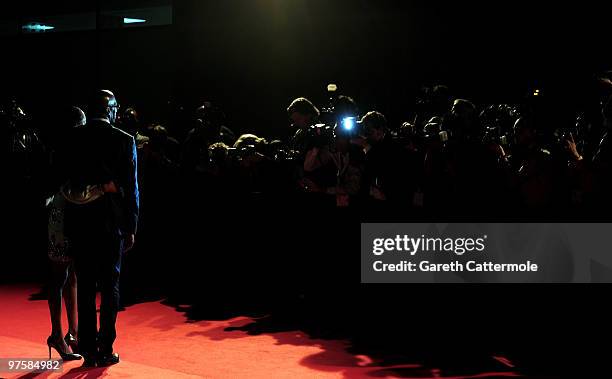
{"points": [[254, 56], [64, 67]]}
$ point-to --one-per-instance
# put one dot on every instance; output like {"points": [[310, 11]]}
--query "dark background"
{"points": [[254, 56]]}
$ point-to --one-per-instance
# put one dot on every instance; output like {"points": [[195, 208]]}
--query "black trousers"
{"points": [[97, 261]]}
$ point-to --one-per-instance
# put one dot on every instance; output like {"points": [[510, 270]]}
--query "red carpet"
{"points": [[156, 341]]}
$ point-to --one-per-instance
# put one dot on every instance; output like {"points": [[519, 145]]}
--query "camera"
{"points": [[432, 131], [348, 127], [328, 111], [339, 116], [499, 120], [285, 155], [241, 153], [319, 135], [563, 134], [492, 134]]}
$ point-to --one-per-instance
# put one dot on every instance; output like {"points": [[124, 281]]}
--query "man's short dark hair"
{"points": [[464, 105], [303, 106], [375, 120], [345, 106]]}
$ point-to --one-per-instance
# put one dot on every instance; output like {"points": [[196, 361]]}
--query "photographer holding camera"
{"points": [[303, 114], [333, 165], [208, 128], [473, 169], [388, 166]]}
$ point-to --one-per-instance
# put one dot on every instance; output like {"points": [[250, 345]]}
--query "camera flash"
{"points": [[348, 123]]}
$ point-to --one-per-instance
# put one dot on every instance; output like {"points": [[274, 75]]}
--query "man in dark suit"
{"points": [[100, 220]]}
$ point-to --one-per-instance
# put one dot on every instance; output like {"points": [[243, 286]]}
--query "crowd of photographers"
{"points": [[456, 159], [451, 158]]}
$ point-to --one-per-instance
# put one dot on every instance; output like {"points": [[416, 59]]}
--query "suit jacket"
{"points": [[97, 154]]}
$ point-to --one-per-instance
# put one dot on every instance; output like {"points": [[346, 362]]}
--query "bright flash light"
{"points": [[536, 92], [128, 20], [37, 27], [348, 123]]}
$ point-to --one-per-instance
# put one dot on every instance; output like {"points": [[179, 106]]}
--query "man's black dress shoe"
{"points": [[108, 359]]}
